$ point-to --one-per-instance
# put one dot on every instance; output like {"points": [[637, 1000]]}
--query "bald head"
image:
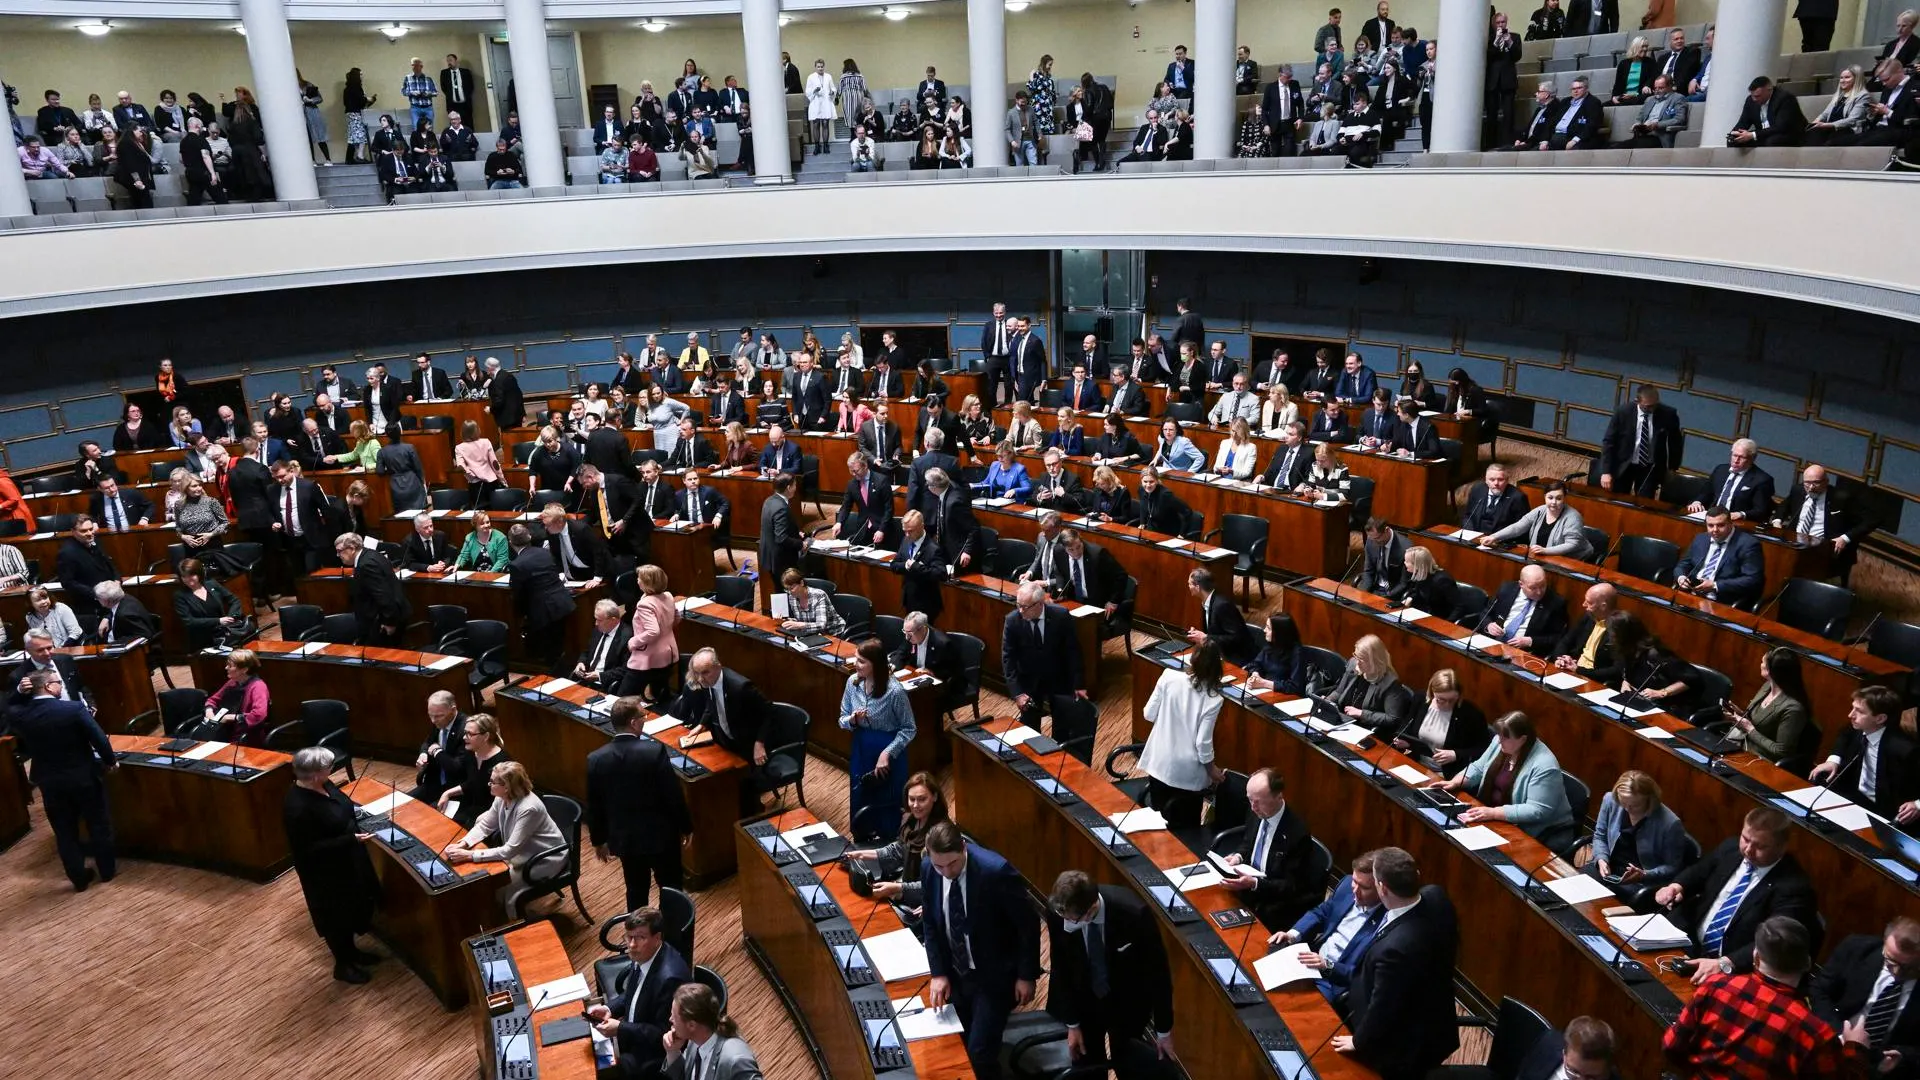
{"points": [[1601, 601], [1533, 581]]}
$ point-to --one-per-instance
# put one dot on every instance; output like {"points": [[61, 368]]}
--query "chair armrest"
{"points": [[1209, 536], [778, 750], [1114, 755], [274, 736], [135, 724]]}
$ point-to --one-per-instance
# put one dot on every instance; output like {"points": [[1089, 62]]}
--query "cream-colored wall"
{"points": [[326, 56], [626, 56]]}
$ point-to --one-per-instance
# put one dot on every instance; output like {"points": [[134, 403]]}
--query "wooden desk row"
{"points": [[1786, 555], [155, 592], [334, 482], [1002, 806], [1720, 636], [525, 956], [1558, 963], [1861, 886], [684, 551], [485, 596], [119, 680]]}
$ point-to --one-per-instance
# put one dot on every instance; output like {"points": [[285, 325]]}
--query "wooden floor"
{"points": [[171, 972]]}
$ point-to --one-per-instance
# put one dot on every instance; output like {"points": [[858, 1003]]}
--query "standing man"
{"points": [[636, 811], [1641, 443], [1190, 327], [1281, 107], [1180, 77], [1380, 29], [867, 510], [983, 941], [429, 382], [378, 604], [1220, 620], [540, 595], [1503, 82], [1111, 984], [1401, 1026], [70, 756], [456, 83], [504, 399], [81, 564], [996, 345], [1040, 656], [780, 543], [300, 535], [1029, 362], [419, 91], [918, 561]]}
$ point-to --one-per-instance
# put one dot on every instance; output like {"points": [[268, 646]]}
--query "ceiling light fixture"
{"points": [[94, 29], [785, 19], [895, 14], [395, 32], [1017, 6], [652, 26], [240, 29]]}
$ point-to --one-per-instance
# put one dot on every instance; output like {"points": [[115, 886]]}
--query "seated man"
{"points": [[860, 150], [1723, 564], [1149, 142], [503, 167], [1579, 121], [1873, 762], [613, 161], [638, 1012], [703, 505], [1277, 844], [1824, 511], [701, 164], [779, 455], [1415, 437], [1895, 119], [1663, 115], [1238, 403], [643, 165], [39, 163], [397, 174], [1721, 900], [1546, 111], [1386, 557], [1588, 647], [1339, 930], [1744, 490], [1526, 614], [1770, 117], [1494, 503]]}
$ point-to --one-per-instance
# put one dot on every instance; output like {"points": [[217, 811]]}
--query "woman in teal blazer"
{"points": [[1518, 780], [485, 547]]}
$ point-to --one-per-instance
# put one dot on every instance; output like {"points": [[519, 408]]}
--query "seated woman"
{"points": [[898, 875], [531, 845], [1238, 455], [975, 424], [1006, 477], [244, 698], [740, 450], [1517, 780], [1327, 475], [1176, 451], [481, 753], [1638, 842], [1369, 692], [1452, 731], [356, 507], [1110, 500], [1278, 410], [1067, 434], [209, 611], [1650, 669], [1281, 664], [485, 548], [928, 383], [1776, 721], [1023, 431], [1414, 385], [1552, 528], [1426, 586], [57, 619]]}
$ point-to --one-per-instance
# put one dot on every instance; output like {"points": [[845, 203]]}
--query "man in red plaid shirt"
{"points": [[1757, 1026]]}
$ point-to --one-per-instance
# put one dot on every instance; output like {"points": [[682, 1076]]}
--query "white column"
{"points": [[539, 124], [767, 91], [277, 89], [1746, 43], [1460, 76], [1215, 120], [987, 72]]}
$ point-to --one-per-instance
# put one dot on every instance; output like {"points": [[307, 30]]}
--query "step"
{"points": [[341, 202]]}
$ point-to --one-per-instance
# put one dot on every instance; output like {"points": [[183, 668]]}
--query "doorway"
{"points": [[563, 71]]}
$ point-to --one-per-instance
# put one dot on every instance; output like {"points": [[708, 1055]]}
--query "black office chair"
{"points": [[786, 762], [1900, 643], [50, 485], [676, 907], [1469, 601], [1246, 536], [340, 629], [1685, 489], [1231, 811], [1815, 607], [322, 723], [12, 527], [1563, 839], [179, 711], [1358, 490], [448, 625], [436, 423], [1050, 399], [820, 583], [487, 648], [858, 613], [1715, 689], [1324, 667], [1187, 412], [734, 591], [973, 653], [56, 523], [890, 629], [641, 457], [297, 621], [159, 472], [507, 499], [711, 979], [541, 498], [608, 969], [1599, 541], [1118, 771], [810, 480], [986, 546], [1647, 557], [1517, 1030], [523, 452], [1120, 624], [1012, 557], [170, 564], [557, 869], [448, 498]]}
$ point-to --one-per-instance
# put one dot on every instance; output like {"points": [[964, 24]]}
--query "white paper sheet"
{"points": [[1648, 931], [1351, 734], [554, 686], [694, 603], [310, 648], [1175, 542], [1139, 819], [832, 545], [898, 955], [559, 991], [387, 804], [1246, 870], [1478, 838], [1277, 969], [1409, 773], [1081, 611], [655, 727], [799, 838], [1657, 734], [1297, 707], [1482, 641], [1017, 734], [1579, 888], [446, 662], [777, 606], [919, 1022], [1411, 614], [1466, 536], [206, 750], [1564, 680], [1191, 880], [1850, 817], [1602, 697]]}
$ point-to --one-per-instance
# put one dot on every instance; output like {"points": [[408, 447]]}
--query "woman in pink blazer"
{"points": [[652, 651]]}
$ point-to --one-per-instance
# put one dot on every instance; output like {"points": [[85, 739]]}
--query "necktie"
{"points": [[1643, 442], [116, 520], [693, 1065], [606, 522], [1519, 621], [1807, 510], [1260, 844], [291, 524], [1713, 561], [1079, 582], [693, 507], [1870, 770], [1882, 1013], [1717, 925], [1286, 468], [1733, 485], [957, 928], [1097, 959], [600, 652], [1000, 336]]}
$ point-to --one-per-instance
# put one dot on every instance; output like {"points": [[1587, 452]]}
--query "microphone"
{"points": [[1343, 574], [1846, 658], [527, 1034], [1631, 970], [1544, 899], [1812, 815], [1235, 977], [847, 967], [1761, 614], [1481, 620], [1307, 1062]]}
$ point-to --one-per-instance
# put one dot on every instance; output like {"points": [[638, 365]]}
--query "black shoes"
{"points": [[347, 973], [86, 878], [365, 958]]}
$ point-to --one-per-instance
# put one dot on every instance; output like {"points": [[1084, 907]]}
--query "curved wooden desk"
{"points": [[132, 550], [752, 644], [116, 676], [533, 955], [1001, 803], [1558, 962], [154, 591], [386, 690], [1861, 885], [485, 596], [685, 553], [552, 729], [785, 941], [211, 805]]}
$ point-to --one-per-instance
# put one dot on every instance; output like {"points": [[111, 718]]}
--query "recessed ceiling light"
{"points": [[1017, 6], [652, 26], [895, 14], [94, 29], [395, 32]]}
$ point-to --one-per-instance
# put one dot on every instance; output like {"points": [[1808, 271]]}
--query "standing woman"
{"points": [[316, 120], [356, 101], [553, 463], [1178, 755], [244, 696], [336, 876], [133, 170], [853, 91], [874, 707], [249, 139], [663, 416], [652, 649], [1080, 126], [478, 459], [169, 384], [820, 94], [1040, 100], [481, 753], [200, 519]]}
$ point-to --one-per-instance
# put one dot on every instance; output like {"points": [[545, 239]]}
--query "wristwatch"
{"points": [[1726, 966]]}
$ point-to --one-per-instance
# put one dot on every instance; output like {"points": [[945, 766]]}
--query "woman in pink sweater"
{"points": [[476, 458], [244, 695], [652, 651]]}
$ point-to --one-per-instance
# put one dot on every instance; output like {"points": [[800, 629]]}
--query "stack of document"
{"points": [[1139, 819], [559, 991], [898, 955], [1648, 932], [1466, 536], [1564, 680], [919, 1022]]}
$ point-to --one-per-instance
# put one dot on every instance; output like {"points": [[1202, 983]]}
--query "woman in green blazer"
{"points": [[485, 547], [366, 448], [1776, 719], [1518, 780]]}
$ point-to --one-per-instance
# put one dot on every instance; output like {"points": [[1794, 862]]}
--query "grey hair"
{"points": [[493, 363], [311, 762], [348, 540], [1579, 80], [1031, 590], [109, 593], [937, 479], [936, 438], [38, 678], [1746, 446], [1547, 85], [37, 634], [441, 697], [915, 621]]}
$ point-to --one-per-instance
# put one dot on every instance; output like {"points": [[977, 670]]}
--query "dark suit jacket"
{"points": [[68, 750], [505, 401], [1547, 625], [1185, 69], [1482, 515], [1041, 664], [137, 507], [1897, 777], [1386, 567], [810, 409], [1158, 149], [1588, 119], [712, 504], [1501, 66], [464, 108], [1786, 890], [1784, 116], [442, 769], [640, 1041], [779, 539], [1844, 988], [131, 620], [1847, 515], [1329, 427], [1071, 492], [1753, 498], [732, 408], [69, 674], [1160, 510], [917, 476], [1131, 399], [1270, 104], [251, 485], [1028, 360], [785, 458], [1296, 474], [310, 459], [950, 519], [920, 591], [607, 451], [1580, 16], [1616, 446], [943, 657], [864, 521], [1742, 574], [418, 383], [539, 593], [1104, 579], [1139, 986], [615, 662], [696, 452], [634, 803], [310, 503], [746, 711], [79, 568], [1401, 1027], [376, 597], [1424, 445], [1228, 628], [1003, 934], [1287, 892], [1085, 397], [418, 554], [1376, 424], [1685, 66]]}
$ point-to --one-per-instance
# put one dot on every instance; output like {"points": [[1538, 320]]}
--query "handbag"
{"points": [[1083, 131]]}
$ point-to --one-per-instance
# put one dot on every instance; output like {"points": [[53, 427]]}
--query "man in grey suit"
{"points": [[1662, 116], [702, 1043]]}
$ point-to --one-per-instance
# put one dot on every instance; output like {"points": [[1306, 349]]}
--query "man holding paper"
{"points": [[1722, 899], [983, 943], [1276, 850], [1339, 930], [1110, 978]]}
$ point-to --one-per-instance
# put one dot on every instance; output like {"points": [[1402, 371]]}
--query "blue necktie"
{"points": [[1713, 561], [1717, 925], [1519, 619], [957, 927], [1097, 959]]}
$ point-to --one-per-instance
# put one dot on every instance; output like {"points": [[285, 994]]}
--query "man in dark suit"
{"points": [[920, 563], [540, 596], [1040, 656], [1681, 62], [1291, 462], [1641, 443], [653, 497], [1401, 1026], [118, 510], [617, 522], [780, 541], [933, 456], [1220, 620], [1895, 119], [809, 396], [1579, 121], [299, 532], [1503, 81], [1739, 486], [779, 455], [1771, 117], [428, 382], [379, 604], [1089, 574], [635, 809], [1339, 930], [885, 379], [703, 505], [929, 649], [505, 402], [1588, 648], [1871, 980], [122, 617], [934, 88], [458, 89], [1820, 509], [570, 542], [1276, 842], [1528, 615], [1149, 141], [1722, 899], [950, 518], [315, 445], [1494, 503], [1379, 30], [438, 763], [42, 657], [1081, 393], [1129, 399], [1180, 75], [1029, 362], [603, 663], [427, 548], [1282, 110], [996, 346], [639, 1012], [691, 451], [982, 938], [1592, 17], [726, 406], [1110, 977], [1385, 554], [1873, 762], [1539, 130], [1723, 564], [70, 756], [867, 509], [80, 565], [1188, 326], [1415, 437], [727, 704], [1055, 487], [879, 439], [606, 449]]}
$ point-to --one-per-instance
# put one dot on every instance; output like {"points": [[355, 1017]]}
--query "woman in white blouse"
{"points": [[1278, 410], [1238, 454], [1178, 755], [46, 613], [530, 843]]}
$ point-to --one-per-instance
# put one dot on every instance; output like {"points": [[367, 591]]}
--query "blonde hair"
{"points": [[1240, 429], [1635, 783], [1374, 651], [486, 725], [651, 579], [1420, 563], [513, 776], [1443, 681], [245, 660]]}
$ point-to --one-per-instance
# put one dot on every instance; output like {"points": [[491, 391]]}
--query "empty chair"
{"points": [[487, 647], [711, 979], [180, 710], [858, 613], [447, 498], [448, 624], [1469, 603], [1815, 607], [676, 907], [973, 652], [1517, 1031], [787, 760], [507, 499], [322, 723], [734, 591], [340, 629], [1246, 536], [1014, 556], [1599, 541], [299, 620], [1324, 666], [1647, 557], [56, 522], [47, 485]]}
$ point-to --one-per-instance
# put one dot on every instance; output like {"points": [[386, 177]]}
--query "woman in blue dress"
{"points": [[874, 707]]}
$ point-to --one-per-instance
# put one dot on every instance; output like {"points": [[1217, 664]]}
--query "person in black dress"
{"points": [[336, 875], [469, 796], [207, 609]]}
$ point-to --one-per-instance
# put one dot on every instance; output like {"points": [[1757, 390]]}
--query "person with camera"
{"points": [[861, 150]]}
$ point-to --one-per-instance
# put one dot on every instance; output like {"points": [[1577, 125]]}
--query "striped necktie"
{"points": [[1717, 925]]}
